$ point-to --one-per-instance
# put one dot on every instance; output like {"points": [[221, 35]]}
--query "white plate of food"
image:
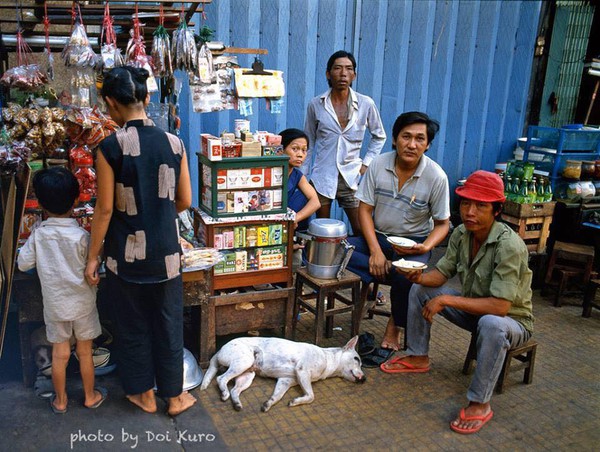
{"points": [[408, 266], [401, 242]]}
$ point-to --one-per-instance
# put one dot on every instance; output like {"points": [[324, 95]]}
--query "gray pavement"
{"points": [[559, 411]]}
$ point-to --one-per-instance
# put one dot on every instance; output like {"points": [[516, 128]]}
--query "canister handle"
{"points": [[348, 250]]}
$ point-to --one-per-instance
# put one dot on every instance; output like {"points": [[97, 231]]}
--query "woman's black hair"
{"points": [[126, 84], [289, 135], [56, 189]]}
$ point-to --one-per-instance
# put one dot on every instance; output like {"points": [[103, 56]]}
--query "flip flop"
{"points": [[381, 300], [377, 357], [43, 387], [53, 408], [463, 417], [366, 344], [104, 393], [408, 368]]}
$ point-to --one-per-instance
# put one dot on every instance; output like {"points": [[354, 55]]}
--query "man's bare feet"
{"points": [[179, 404], [391, 337], [472, 418], [146, 401]]}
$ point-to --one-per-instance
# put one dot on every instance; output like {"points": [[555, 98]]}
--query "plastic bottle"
{"points": [[86, 176]]}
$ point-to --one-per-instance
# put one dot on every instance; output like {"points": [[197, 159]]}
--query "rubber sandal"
{"points": [[43, 387], [463, 417], [381, 300], [104, 393], [366, 344], [53, 408], [408, 368], [377, 357]]}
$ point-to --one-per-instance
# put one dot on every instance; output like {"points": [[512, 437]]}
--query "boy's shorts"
{"points": [[345, 196], [85, 328]]}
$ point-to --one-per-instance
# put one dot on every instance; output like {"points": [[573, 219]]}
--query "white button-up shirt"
{"points": [[337, 150], [58, 248]]}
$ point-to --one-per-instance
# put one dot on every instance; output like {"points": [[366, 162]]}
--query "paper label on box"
{"points": [[233, 178], [211, 146], [229, 266]]}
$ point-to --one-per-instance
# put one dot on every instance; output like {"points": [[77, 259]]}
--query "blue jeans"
{"points": [[495, 336], [400, 286]]}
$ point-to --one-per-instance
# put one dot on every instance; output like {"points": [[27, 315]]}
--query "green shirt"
{"points": [[499, 269]]}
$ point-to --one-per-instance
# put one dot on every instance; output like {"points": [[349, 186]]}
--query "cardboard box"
{"points": [[273, 140], [251, 149], [230, 259], [277, 199], [267, 180], [241, 258], [270, 257], [206, 176], [206, 197], [263, 235], [228, 239], [245, 135], [218, 241], [275, 234], [211, 146], [221, 202], [253, 203], [221, 179], [277, 176], [240, 201], [233, 178], [230, 203], [244, 178], [265, 200], [239, 236], [256, 177], [272, 150]]}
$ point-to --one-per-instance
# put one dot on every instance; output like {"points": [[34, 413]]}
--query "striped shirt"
{"points": [[409, 212]]}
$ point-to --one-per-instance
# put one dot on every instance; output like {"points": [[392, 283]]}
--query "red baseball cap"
{"points": [[483, 186]]}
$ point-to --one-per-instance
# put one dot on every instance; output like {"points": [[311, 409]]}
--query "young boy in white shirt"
{"points": [[58, 249]]}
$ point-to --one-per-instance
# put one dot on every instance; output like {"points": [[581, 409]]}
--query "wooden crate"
{"points": [[537, 209], [533, 230]]}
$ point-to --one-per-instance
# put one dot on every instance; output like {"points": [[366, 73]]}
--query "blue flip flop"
{"points": [[104, 393], [377, 357], [53, 408]]}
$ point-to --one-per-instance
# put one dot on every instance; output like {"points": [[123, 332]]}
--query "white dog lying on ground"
{"points": [[291, 363]]}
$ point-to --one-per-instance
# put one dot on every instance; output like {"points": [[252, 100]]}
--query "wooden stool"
{"points": [[589, 299], [326, 293], [524, 353], [569, 260]]}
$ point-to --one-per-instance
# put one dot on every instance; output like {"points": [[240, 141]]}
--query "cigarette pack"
{"points": [[244, 178], [277, 176], [221, 179], [256, 177], [211, 146]]}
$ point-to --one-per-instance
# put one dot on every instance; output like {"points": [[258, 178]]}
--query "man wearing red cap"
{"points": [[491, 262]]}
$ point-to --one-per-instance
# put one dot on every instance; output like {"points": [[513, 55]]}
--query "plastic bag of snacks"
{"points": [[161, 49], [136, 56], [78, 52], [110, 53], [25, 76]]}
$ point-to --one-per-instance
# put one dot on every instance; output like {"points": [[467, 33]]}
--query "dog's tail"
{"points": [[210, 372]]}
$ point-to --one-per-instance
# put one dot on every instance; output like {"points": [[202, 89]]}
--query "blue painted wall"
{"points": [[465, 63]]}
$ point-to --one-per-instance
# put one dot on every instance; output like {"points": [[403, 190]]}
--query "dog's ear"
{"points": [[351, 343]]}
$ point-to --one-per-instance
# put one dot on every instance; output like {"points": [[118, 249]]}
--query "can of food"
{"points": [[239, 126]]}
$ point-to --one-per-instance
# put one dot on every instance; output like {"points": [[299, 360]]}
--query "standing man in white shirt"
{"points": [[336, 122]]}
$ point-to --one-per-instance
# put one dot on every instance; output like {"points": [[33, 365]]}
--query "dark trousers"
{"points": [[400, 286], [149, 339]]}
